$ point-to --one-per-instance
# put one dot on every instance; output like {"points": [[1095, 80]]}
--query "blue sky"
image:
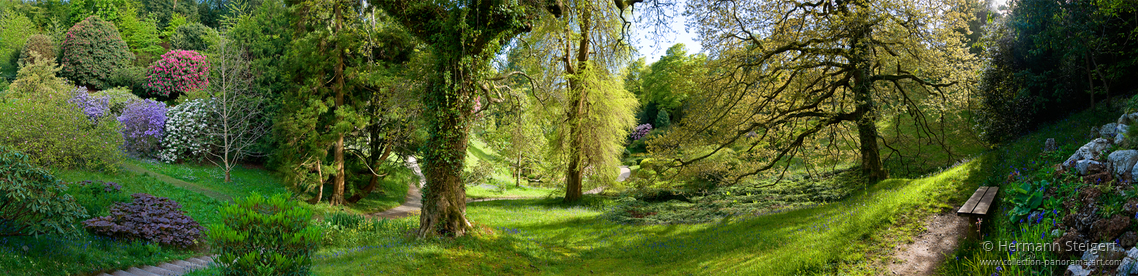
{"points": [[651, 46]]}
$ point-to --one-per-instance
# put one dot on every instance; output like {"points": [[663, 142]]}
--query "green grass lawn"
{"points": [[545, 237], [476, 192], [244, 181]]}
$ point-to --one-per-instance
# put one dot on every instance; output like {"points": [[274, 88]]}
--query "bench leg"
{"points": [[979, 224]]}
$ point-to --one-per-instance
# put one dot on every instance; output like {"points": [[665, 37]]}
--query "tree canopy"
{"points": [[787, 75]]}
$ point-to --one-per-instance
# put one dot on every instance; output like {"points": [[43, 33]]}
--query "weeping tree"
{"points": [[464, 36], [588, 50], [790, 77]]}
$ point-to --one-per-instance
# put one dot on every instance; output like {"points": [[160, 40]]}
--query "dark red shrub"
{"points": [[156, 219]]}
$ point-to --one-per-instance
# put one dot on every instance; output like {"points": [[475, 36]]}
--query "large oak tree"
{"points": [[788, 76]]}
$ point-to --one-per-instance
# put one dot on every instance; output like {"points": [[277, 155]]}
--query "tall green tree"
{"points": [[787, 73], [464, 36], [668, 82], [328, 103]]}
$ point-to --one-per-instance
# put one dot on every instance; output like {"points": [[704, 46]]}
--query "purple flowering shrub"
{"points": [[92, 106], [178, 72], [155, 219], [142, 126], [640, 131]]}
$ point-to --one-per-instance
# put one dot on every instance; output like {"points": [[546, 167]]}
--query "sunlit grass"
{"points": [[508, 190], [545, 237]]}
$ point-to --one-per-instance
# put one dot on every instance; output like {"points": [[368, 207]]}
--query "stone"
{"points": [[1122, 161], [1129, 263], [1121, 135], [1128, 118], [1077, 270], [1090, 151], [1050, 145], [1087, 167], [1108, 130], [1101, 253]]}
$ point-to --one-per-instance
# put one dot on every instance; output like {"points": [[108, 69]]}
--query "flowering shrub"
{"points": [[155, 219], [178, 72], [91, 51], [58, 135], [186, 136], [92, 106], [32, 200], [640, 131], [142, 124]]}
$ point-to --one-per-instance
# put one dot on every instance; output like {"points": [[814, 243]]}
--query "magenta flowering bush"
{"points": [[178, 72], [142, 126]]}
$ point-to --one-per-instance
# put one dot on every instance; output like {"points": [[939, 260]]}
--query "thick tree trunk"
{"points": [[576, 87], [573, 171], [444, 199], [866, 109], [870, 153]]}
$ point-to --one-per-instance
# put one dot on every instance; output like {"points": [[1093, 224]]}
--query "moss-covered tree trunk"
{"points": [[444, 199], [865, 109], [464, 37]]}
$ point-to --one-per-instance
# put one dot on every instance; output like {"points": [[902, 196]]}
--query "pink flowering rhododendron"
{"points": [[178, 72]]}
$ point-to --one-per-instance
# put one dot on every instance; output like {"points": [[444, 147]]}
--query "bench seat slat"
{"points": [[982, 207], [972, 201]]}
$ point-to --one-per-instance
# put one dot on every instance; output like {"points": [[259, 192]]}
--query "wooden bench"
{"points": [[978, 205]]}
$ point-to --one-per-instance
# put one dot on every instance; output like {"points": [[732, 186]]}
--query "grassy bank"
{"points": [[545, 237]]}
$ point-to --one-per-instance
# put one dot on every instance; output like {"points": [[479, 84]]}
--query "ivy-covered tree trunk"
{"points": [[464, 36], [444, 200]]}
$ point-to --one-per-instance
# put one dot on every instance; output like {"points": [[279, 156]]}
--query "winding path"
{"points": [[413, 203], [414, 200]]}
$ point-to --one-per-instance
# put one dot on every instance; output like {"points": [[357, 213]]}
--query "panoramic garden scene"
{"points": [[568, 137]]}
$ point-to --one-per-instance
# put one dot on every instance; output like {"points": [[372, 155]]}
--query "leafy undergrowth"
{"points": [[749, 199], [54, 255], [546, 237], [490, 191], [1025, 157]]}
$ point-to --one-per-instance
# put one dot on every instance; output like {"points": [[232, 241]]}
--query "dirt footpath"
{"points": [[944, 232]]}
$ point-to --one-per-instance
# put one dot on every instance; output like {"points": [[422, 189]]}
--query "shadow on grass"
{"points": [[547, 237]]}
